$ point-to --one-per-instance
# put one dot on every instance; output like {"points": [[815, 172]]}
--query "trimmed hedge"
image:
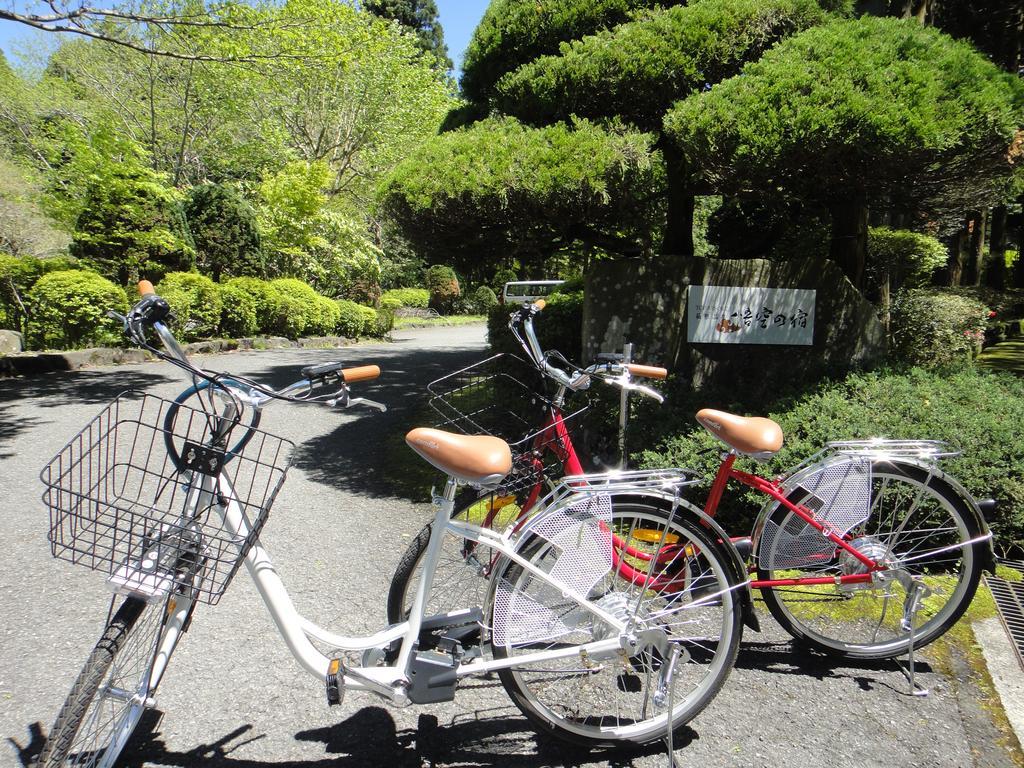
{"points": [[979, 411], [196, 302], [418, 298], [303, 310], [240, 315], [17, 276], [68, 310]]}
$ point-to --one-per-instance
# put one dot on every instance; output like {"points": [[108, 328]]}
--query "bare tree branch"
{"points": [[76, 21]]}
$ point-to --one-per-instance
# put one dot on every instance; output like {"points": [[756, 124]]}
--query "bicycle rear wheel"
{"points": [[109, 697], [686, 609], [460, 576], [915, 522]]}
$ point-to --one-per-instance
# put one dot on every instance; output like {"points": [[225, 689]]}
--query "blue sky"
{"points": [[458, 17]]}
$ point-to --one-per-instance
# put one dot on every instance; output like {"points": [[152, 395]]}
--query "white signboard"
{"points": [[717, 314]]}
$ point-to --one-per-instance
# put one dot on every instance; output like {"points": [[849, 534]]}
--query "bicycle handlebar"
{"points": [[151, 310], [614, 373]]}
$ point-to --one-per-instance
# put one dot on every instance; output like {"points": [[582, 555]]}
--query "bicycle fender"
{"points": [[668, 503], [988, 559]]}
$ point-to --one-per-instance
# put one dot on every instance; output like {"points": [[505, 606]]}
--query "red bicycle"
{"points": [[865, 549], [505, 396]]}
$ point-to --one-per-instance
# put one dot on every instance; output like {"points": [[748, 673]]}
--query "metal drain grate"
{"points": [[1009, 599]]}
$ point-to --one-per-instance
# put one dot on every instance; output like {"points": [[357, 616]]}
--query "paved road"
{"points": [[233, 697]]}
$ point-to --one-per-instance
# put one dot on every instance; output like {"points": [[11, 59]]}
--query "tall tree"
{"points": [[625, 70], [421, 18], [855, 113]]}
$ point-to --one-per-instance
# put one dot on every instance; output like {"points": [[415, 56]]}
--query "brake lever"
{"points": [[645, 391], [343, 400]]}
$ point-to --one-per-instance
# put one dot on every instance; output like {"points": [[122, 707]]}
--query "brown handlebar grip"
{"points": [[539, 305], [646, 371], [360, 373], [146, 288]]}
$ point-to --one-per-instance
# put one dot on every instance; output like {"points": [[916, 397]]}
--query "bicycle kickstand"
{"points": [[669, 684], [917, 591]]}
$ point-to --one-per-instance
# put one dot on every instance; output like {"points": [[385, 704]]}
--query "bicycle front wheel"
{"points": [[108, 698], [673, 578], [916, 522]]}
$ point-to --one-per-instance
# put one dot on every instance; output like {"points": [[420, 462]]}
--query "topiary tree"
{"points": [[855, 113], [196, 302], [68, 310], [567, 185], [223, 228], [443, 286], [132, 226], [483, 300]]}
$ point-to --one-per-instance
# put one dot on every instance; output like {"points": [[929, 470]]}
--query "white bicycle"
{"points": [[169, 500]]}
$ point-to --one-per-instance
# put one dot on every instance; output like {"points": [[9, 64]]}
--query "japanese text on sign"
{"points": [[717, 314]]}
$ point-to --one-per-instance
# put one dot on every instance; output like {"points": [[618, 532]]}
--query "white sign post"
{"points": [[718, 314]]}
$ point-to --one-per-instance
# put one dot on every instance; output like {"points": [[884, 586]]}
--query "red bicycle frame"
{"points": [[554, 437], [726, 471]]}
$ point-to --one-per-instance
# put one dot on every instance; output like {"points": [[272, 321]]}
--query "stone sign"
{"points": [[717, 314]]}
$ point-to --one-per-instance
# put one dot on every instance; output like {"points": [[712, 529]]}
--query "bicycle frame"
{"points": [[385, 681], [727, 471]]}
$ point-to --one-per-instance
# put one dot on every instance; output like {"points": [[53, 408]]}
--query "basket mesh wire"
{"points": [[503, 396], [839, 495], [579, 538], [117, 496]]}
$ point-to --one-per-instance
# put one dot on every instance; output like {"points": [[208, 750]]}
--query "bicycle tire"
{"points": [[172, 415], [85, 732], [837, 622], [457, 582], [613, 701]]}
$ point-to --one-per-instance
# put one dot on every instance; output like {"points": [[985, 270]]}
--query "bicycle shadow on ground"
{"points": [[367, 454], [370, 739], [790, 657]]}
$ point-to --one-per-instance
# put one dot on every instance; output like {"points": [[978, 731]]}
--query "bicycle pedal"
{"points": [[334, 682]]}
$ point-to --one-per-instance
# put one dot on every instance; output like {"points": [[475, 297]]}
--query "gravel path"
{"points": [[233, 696]]}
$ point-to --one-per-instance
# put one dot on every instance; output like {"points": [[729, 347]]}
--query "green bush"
{"points": [[196, 302], [908, 258], [444, 288], [936, 328], [239, 314], [268, 302], [352, 323], [324, 317], [389, 303], [303, 311], [68, 310], [418, 298], [483, 300], [385, 322], [979, 411], [17, 275]]}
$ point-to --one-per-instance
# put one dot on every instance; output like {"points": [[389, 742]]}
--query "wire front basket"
{"points": [[504, 396], [140, 494]]}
